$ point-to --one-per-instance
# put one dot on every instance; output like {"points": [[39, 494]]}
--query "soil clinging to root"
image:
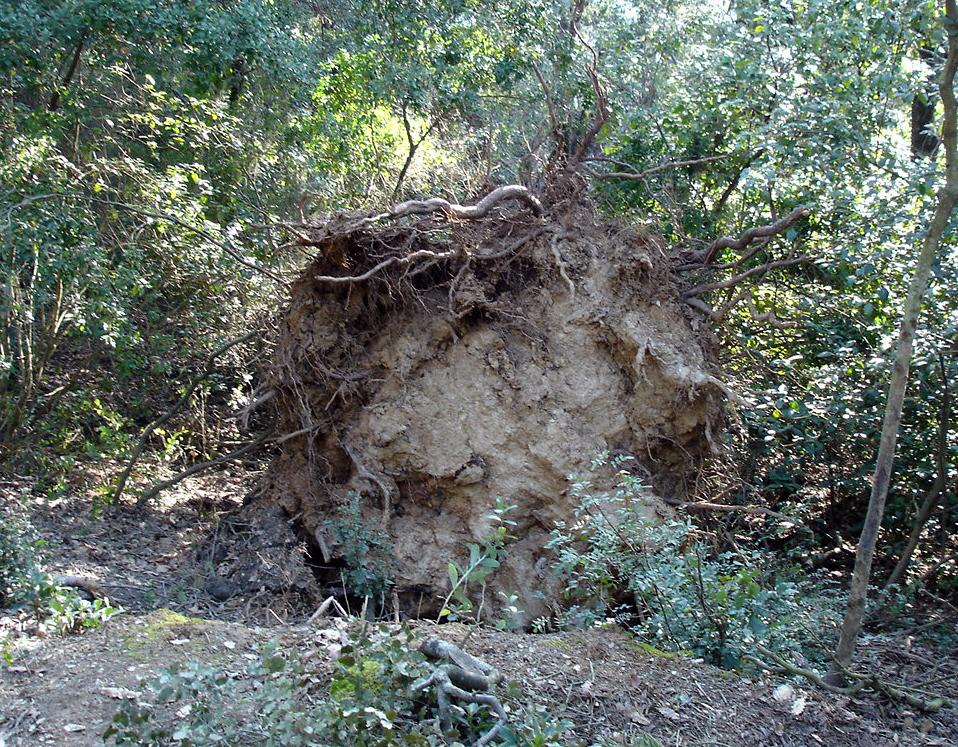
{"points": [[431, 364]]}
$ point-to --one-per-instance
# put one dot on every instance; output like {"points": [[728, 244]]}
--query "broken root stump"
{"points": [[462, 677]]}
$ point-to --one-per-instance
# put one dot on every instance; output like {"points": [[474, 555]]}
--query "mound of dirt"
{"points": [[431, 364]]}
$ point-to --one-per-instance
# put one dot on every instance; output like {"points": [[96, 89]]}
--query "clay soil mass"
{"points": [[432, 364]]}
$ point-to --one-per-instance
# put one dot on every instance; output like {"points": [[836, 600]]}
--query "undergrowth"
{"points": [[281, 700], [366, 550], [25, 589], [664, 582]]}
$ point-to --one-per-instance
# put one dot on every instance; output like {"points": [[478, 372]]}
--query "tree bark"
{"points": [[946, 199], [54, 103]]}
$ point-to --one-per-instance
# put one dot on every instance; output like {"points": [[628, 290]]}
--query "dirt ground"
{"points": [[63, 691]]}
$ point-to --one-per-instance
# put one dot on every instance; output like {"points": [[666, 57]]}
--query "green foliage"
{"points": [[24, 586], [484, 560], [664, 583], [281, 702], [18, 551], [365, 547]]}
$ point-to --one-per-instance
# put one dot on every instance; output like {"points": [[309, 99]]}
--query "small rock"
{"points": [[669, 713], [119, 693], [221, 589], [783, 693]]}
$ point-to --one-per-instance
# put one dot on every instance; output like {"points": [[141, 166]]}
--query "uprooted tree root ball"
{"points": [[436, 357]]}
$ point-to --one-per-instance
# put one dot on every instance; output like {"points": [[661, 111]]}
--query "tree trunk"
{"points": [[924, 140], [947, 197], [54, 102]]}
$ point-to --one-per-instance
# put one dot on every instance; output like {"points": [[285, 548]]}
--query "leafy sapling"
{"points": [[484, 560]]}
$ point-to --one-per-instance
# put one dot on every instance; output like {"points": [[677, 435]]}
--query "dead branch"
{"points": [[768, 317], [601, 100], [736, 279], [859, 681], [242, 415], [194, 469], [180, 403], [323, 610], [639, 175], [753, 510], [550, 106], [90, 586], [756, 232]]}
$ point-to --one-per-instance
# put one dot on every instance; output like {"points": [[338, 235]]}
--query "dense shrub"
{"points": [[669, 586]]}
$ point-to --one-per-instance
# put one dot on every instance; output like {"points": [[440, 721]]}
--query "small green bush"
{"points": [[282, 703], [484, 559], [24, 586], [366, 549], [664, 583], [18, 555]]}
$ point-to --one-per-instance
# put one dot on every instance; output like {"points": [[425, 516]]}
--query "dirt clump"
{"points": [[431, 363]]}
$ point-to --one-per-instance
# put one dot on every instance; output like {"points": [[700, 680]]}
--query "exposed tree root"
{"points": [[462, 677], [471, 212], [858, 682]]}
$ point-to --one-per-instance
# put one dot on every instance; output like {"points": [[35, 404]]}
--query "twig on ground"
{"points": [[754, 510], [323, 610], [859, 681], [88, 585]]}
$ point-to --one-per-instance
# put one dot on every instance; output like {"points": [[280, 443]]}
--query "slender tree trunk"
{"points": [[54, 103], [414, 144], [924, 140], [947, 197]]}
